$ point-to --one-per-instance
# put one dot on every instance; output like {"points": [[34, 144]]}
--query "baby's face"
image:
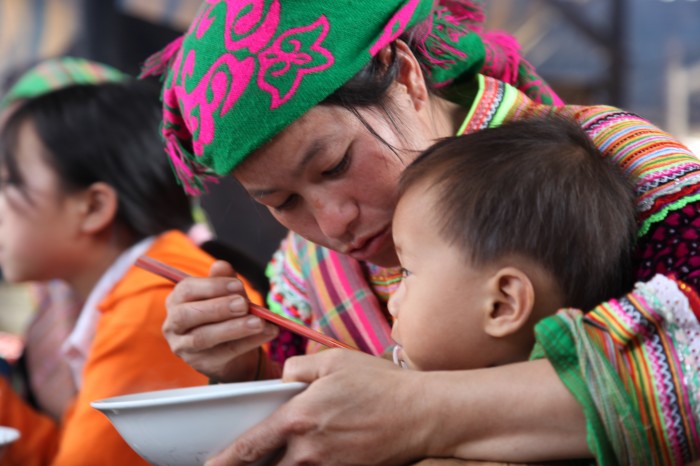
{"points": [[442, 303]]}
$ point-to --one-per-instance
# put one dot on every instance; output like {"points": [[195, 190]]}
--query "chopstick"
{"points": [[171, 273]]}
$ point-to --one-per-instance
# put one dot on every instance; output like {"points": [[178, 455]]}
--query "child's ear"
{"points": [[513, 298], [98, 208]]}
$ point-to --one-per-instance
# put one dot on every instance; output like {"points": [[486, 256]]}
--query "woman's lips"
{"points": [[370, 247]]}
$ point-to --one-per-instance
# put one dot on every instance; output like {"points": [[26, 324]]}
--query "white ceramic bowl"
{"points": [[186, 426]]}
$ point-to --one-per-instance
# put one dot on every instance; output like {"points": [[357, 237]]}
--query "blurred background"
{"points": [[641, 55]]}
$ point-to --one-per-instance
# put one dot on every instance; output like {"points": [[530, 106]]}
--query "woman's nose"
{"points": [[335, 217]]}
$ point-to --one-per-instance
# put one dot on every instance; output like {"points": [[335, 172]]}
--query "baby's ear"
{"points": [[99, 207], [513, 298]]}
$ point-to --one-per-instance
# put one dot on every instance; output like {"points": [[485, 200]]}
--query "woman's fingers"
{"points": [[230, 361], [323, 425], [209, 327], [195, 302], [260, 441], [314, 366], [187, 316], [193, 289], [222, 269], [220, 332]]}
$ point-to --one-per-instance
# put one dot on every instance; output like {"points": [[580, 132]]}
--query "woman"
{"points": [[317, 123]]}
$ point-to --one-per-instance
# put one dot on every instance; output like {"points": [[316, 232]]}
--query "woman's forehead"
{"points": [[299, 143]]}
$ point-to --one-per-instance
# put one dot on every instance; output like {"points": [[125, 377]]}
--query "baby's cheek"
{"points": [[419, 353]]}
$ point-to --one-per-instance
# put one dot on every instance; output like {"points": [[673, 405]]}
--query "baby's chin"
{"points": [[402, 359]]}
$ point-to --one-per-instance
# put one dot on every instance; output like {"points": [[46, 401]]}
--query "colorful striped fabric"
{"points": [[658, 164], [633, 363], [330, 292]]}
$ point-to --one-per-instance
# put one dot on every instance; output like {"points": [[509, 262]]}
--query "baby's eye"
{"points": [[405, 272]]}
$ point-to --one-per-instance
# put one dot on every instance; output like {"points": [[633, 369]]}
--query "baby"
{"points": [[496, 230]]}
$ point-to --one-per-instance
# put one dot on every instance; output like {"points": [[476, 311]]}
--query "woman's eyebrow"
{"points": [[316, 148]]}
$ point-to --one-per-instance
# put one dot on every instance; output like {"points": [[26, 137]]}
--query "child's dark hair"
{"points": [[105, 133], [540, 189]]}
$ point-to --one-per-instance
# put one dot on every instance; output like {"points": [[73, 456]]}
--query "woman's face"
{"points": [[327, 178], [36, 227]]}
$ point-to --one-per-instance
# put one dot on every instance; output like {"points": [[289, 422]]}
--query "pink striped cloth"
{"points": [[331, 293]]}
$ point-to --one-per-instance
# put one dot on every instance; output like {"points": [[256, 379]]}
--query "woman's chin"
{"points": [[386, 258]]}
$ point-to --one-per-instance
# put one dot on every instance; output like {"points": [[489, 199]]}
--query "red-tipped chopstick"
{"points": [[175, 275]]}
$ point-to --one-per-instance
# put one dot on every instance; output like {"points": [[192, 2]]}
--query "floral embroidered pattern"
{"points": [[204, 19], [287, 60], [218, 89], [246, 31], [280, 68], [395, 27]]}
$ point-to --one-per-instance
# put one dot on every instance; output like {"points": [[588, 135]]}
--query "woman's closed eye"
{"points": [[334, 172], [339, 168], [405, 272], [288, 203]]}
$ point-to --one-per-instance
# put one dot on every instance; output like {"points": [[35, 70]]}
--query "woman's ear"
{"points": [[410, 77], [99, 205], [513, 299]]}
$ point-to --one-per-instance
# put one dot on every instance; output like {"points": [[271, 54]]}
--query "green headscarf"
{"points": [[57, 73], [246, 69]]}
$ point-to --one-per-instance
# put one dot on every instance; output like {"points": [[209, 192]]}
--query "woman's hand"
{"points": [[363, 410], [352, 413], [208, 325]]}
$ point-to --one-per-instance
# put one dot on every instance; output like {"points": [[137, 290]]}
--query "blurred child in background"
{"points": [[85, 191], [42, 374]]}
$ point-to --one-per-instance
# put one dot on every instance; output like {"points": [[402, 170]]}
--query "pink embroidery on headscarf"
{"points": [[236, 26], [173, 123], [278, 60], [442, 53], [219, 88], [468, 14], [159, 62], [205, 22], [184, 173], [200, 24], [502, 56], [395, 27]]}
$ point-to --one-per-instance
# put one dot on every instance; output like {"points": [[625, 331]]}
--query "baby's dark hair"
{"points": [[538, 189], [107, 133]]}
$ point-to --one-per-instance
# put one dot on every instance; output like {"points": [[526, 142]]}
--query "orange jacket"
{"points": [[129, 354]]}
